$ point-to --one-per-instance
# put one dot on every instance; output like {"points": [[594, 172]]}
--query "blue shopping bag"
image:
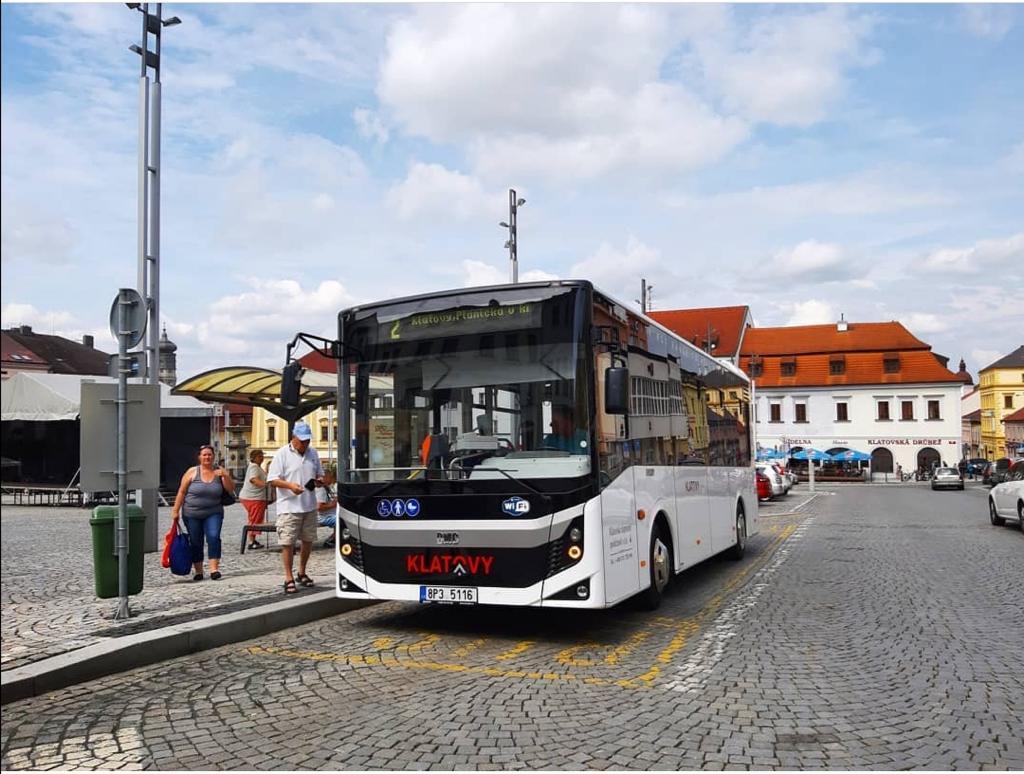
{"points": [[181, 553]]}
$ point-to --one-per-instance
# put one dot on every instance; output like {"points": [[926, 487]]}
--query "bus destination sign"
{"points": [[463, 320]]}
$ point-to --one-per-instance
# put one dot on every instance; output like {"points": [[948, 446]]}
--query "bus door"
{"points": [[619, 537]]}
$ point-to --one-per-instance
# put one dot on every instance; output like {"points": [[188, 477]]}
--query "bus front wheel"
{"points": [[660, 566]]}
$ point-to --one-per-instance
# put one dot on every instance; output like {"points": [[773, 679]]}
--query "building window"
{"points": [[324, 434], [789, 368], [756, 368], [883, 410], [892, 364], [801, 412], [775, 410], [841, 413], [933, 409], [906, 410], [1007, 401], [837, 366], [271, 433]]}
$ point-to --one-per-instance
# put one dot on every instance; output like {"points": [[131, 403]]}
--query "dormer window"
{"points": [[789, 367], [891, 364], [756, 367], [837, 365]]}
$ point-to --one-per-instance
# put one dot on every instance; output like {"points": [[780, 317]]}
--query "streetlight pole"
{"points": [[149, 216], [514, 204]]}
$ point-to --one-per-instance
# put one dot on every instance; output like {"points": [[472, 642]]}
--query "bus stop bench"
{"points": [[254, 528]]}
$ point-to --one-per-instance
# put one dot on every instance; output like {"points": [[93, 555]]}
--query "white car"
{"points": [[779, 487], [1006, 500], [947, 478]]}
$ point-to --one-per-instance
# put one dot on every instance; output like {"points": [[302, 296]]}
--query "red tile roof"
{"points": [[861, 368], [974, 417], [64, 356], [807, 339], [1016, 416], [727, 323]]}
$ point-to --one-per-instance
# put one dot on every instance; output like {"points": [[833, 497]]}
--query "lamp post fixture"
{"points": [[149, 213], [514, 204]]}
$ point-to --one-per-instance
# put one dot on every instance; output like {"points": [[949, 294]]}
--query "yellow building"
{"points": [[1002, 393], [270, 433]]}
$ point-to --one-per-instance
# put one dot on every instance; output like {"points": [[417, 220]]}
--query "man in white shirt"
{"points": [[295, 472]]}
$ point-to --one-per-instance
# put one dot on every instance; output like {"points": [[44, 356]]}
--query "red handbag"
{"points": [[165, 560]]}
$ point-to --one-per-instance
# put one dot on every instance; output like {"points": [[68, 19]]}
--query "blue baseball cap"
{"points": [[302, 431]]}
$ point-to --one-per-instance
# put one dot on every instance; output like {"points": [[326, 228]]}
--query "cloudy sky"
{"points": [[809, 161]]}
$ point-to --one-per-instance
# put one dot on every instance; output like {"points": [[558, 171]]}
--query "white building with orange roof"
{"points": [[869, 387]]}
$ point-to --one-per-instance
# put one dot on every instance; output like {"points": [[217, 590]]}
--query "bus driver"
{"points": [[564, 435]]}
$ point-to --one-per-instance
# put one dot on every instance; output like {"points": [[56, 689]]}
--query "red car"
{"points": [[764, 487]]}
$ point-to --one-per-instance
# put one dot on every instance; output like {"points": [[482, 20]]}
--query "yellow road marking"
{"points": [[684, 630], [469, 647], [517, 650]]}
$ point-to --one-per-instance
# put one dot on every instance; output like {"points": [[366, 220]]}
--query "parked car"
{"points": [[778, 486], [995, 472], [787, 482], [947, 478], [1006, 500], [789, 475], [976, 466], [764, 486]]}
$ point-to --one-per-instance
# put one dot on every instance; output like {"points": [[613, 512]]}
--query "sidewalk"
{"points": [[52, 619]]}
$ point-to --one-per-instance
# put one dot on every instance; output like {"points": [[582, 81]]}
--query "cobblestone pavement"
{"points": [[47, 587], [875, 628]]}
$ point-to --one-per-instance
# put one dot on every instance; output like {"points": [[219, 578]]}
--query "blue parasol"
{"points": [[851, 455], [814, 454]]}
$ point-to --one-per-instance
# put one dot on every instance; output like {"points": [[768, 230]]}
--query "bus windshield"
{"points": [[475, 385]]}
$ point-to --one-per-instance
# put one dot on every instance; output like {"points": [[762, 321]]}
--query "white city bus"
{"points": [[534, 444]]}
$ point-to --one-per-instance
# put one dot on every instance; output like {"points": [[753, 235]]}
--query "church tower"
{"points": [[168, 360]]}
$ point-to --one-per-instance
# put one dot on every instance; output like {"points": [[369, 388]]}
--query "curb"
{"points": [[136, 650]]}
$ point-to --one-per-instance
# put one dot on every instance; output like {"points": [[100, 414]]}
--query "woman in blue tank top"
{"points": [[200, 493]]}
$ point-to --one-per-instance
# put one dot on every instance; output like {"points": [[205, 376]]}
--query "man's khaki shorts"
{"points": [[296, 526]]}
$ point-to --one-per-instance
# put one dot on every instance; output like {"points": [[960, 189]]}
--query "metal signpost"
{"points": [[128, 324], [514, 203]]}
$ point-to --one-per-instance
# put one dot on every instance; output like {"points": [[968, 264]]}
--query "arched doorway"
{"points": [[928, 458], [881, 460]]}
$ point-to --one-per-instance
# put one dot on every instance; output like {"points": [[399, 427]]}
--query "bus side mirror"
{"points": [[291, 383], [616, 390]]}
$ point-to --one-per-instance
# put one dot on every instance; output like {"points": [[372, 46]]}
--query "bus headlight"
{"points": [[575, 535], [345, 534], [346, 549], [575, 552]]}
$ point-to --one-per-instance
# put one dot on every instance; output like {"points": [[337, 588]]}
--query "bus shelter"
{"points": [[254, 386]]}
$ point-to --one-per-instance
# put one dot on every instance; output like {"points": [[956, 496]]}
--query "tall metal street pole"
{"points": [[149, 217], [121, 543], [514, 203]]}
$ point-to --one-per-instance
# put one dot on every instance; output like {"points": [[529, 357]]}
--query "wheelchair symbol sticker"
{"points": [[384, 508]]}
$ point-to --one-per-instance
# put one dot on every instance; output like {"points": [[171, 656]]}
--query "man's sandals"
{"points": [[302, 578]]}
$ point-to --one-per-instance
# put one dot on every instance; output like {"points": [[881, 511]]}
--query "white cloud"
{"points": [[988, 21], [34, 235], [985, 357], [433, 191], [810, 261], [478, 273], [618, 271], [370, 125], [1014, 160], [527, 95], [999, 254], [252, 327], [788, 68], [812, 312], [923, 323], [868, 193]]}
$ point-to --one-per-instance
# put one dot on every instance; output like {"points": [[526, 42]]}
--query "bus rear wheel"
{"points": [[660, 566], [740, 547]]}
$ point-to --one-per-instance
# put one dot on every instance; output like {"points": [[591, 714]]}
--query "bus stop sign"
{"points": [[134, 319]]}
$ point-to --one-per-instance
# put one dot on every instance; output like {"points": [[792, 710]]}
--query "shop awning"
{"points": [[253, 386]]}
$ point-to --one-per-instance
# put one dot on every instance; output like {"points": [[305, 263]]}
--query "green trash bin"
{"points": [[104, 555]]}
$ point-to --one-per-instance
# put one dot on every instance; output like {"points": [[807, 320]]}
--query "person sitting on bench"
{"points": [[326, 504]]}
